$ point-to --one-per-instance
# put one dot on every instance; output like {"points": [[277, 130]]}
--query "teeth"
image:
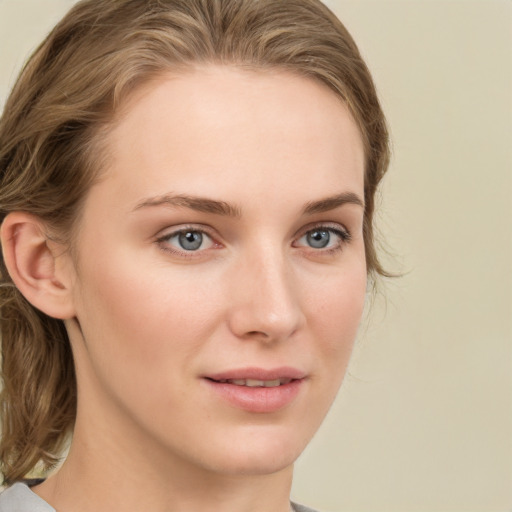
{"points": [[253, 383]]}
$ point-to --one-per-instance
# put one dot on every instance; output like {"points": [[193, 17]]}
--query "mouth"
{"points": [[257, 390], [255, 383]]}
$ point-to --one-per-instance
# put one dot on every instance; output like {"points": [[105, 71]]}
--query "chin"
{"points": [[260, 451], [255, 465]]}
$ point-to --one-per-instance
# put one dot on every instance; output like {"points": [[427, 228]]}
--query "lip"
{"points": [[283, 372], [257, 399]]}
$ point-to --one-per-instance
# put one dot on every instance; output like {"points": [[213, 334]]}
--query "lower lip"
{"points": [[257, 399]]}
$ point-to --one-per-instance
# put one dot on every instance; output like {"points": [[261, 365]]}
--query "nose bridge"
{"points": [[266, 302]]}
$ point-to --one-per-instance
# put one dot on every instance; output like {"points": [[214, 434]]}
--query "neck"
{"points": [[111, 470]]}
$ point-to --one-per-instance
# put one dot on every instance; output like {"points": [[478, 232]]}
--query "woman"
{"points": [[187, 196]]}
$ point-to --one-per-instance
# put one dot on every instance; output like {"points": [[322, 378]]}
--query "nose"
{"points": [[265, 302]]}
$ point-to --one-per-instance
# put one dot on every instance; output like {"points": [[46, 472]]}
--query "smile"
{"points": [[254, 383], [257, 390]]}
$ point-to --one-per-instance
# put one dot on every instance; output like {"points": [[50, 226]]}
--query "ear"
{"points": [[41, 269]]}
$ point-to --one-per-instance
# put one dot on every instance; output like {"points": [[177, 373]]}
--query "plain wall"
{"points": [[424, 418]]}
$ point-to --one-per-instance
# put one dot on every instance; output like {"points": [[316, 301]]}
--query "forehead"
{"points": [[241, 128]]}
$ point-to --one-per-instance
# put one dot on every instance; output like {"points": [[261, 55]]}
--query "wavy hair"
{"points": [[51, 152]]}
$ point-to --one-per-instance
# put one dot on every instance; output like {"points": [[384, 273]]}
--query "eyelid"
{"points": [[328, 226], [162, 239], [182, 228], [338, 229]]}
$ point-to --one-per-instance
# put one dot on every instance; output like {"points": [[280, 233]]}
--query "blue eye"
{"points": [[318, 239], [188, 240], [191, 240], [322, 237]]}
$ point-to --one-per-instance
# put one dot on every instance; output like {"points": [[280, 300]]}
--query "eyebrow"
{"points": [[333, 202], [201, 204], [206, 205]]}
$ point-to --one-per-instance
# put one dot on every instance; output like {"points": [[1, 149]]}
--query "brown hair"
{"points": [[49, 134]]}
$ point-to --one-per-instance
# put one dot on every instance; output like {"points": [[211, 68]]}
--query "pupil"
{"points": [[191, 241], [318, 239]]}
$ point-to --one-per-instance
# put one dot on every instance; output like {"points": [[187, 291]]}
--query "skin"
{"points": [[149, 320]]}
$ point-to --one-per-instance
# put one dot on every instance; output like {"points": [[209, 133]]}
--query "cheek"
{"points": [[142, 318], [335, 311]]}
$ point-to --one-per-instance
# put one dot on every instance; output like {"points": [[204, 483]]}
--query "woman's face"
{"points": [[220, 269]]}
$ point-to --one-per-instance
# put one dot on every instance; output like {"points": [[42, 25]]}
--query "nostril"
{"points": [[258, 333]]}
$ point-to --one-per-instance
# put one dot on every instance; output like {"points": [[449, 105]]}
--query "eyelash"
{"points": [[343, 235], [164, 240]]}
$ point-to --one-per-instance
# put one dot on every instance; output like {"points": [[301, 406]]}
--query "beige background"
{"points": [[424, 420]]}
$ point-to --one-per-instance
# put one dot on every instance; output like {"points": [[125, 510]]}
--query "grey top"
{"points": [[19, 498]]}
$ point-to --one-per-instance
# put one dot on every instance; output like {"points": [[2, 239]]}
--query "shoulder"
{"points": [[295, 506], [19, 498]]}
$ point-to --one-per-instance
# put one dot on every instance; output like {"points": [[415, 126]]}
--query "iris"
{"points": [[318, 238], [190, 240]]}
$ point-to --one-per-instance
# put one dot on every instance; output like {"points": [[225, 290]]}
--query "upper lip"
{"points": [[284, 372]]}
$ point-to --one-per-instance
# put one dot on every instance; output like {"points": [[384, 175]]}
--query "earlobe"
{"points": [[36, 265]]}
